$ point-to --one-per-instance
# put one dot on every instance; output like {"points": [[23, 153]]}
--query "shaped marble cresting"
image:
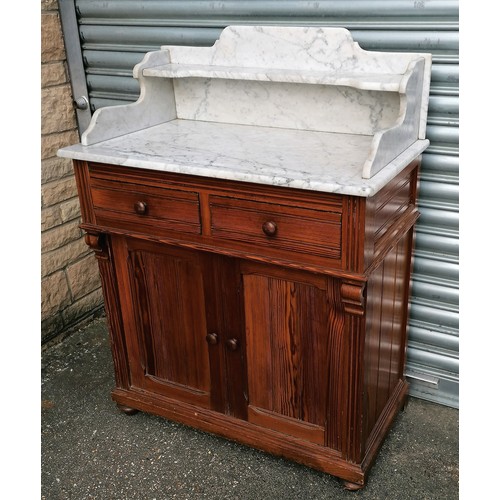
{"points": [[315, 87]]}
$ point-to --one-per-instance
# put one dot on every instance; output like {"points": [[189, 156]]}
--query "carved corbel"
{"points": [[353, 297], [98, 243]]}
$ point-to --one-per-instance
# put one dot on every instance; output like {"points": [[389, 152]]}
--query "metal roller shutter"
{"points": [[115, 34]]}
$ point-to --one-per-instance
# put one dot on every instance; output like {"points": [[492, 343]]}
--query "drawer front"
{"points": [[145, 209], [277, 229]]}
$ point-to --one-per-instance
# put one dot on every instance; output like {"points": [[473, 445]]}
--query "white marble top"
{"points": [[318, 161]]}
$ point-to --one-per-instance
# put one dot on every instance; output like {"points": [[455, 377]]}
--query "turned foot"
{"points": [[127, 410], [352, 486]]}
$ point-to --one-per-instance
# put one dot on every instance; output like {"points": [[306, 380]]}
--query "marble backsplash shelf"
{"points": [[364, 81], [297, 107]]}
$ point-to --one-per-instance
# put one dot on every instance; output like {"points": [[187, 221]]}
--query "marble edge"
{"points": [[364, 188], [372, 81]]}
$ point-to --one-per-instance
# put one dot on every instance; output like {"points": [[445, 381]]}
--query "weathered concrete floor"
{"points": [[91, 450]]}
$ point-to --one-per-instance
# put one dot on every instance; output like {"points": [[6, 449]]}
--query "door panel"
{"points": [[166, 326], [287, 331]]}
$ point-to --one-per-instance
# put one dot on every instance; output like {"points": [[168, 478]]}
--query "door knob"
{"points": [[270, 228], [140, 207], [232, 344], [212, 338]]}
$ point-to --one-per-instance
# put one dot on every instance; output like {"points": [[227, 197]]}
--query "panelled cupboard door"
{"points": [[162, 290], [288, 335], [249, 340], [183, 323]]}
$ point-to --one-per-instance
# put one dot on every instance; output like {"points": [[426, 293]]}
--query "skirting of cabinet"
{"points": [[305, 452]]}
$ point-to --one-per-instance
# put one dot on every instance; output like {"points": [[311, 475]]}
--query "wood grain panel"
{"points": [[372, 348], [168, 292], [226, 303], [104, 255], [385, 332], [353, 233], [313, 232], [390, 207], [165, 209], [387, 210], [347, 348], [287, 338], [82, 178]]}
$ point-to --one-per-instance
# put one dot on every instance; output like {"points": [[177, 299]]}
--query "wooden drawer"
{"points": [[277, 229], [144, 208]]}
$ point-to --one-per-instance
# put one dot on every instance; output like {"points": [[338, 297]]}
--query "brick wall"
{"points": [[70, 285]]}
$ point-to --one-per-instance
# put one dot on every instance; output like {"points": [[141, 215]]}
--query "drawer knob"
{"points": [[212, 338], [232, 344], [270, 228], [140, 207]]}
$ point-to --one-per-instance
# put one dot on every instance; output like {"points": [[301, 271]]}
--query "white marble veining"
{"points": [[307, 49], [292, 106], [297, 106], [318, 161], [301, 55], [156, 104]]}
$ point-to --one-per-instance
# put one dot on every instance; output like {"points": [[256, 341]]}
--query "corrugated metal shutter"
{"points": [[115, 34]]}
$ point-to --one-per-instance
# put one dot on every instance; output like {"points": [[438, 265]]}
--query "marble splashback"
{"points": [[300, 48], [286, 105]]}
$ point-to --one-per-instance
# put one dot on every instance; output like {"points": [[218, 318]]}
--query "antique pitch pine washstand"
{"points": [[252, 215]]}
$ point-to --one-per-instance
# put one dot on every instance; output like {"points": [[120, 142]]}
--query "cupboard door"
{"points": [[163, 294], [288, 330]]}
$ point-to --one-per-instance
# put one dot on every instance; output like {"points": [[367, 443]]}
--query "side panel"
{"points": [[386, 327]]}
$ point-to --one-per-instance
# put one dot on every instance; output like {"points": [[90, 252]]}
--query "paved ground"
{"points": [[91, 450]]}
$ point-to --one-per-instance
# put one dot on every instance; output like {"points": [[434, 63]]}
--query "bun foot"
{"points": [[127, 410], [352, 486], [405, 404]]}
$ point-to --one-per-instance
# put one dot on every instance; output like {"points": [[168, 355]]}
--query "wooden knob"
{"points": [[140, 207], [232, 344], [212, 338], [270, 228]]}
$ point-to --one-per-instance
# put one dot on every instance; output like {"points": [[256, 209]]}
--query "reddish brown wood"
{"points": [[166, 327], [385, 343], [306, 231], [140, 207], [348, 485], [82, 177], [101, 245], [300, 450], [272, 316], [353, 234], [144, 208], [287, 334], [387, 212]]}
